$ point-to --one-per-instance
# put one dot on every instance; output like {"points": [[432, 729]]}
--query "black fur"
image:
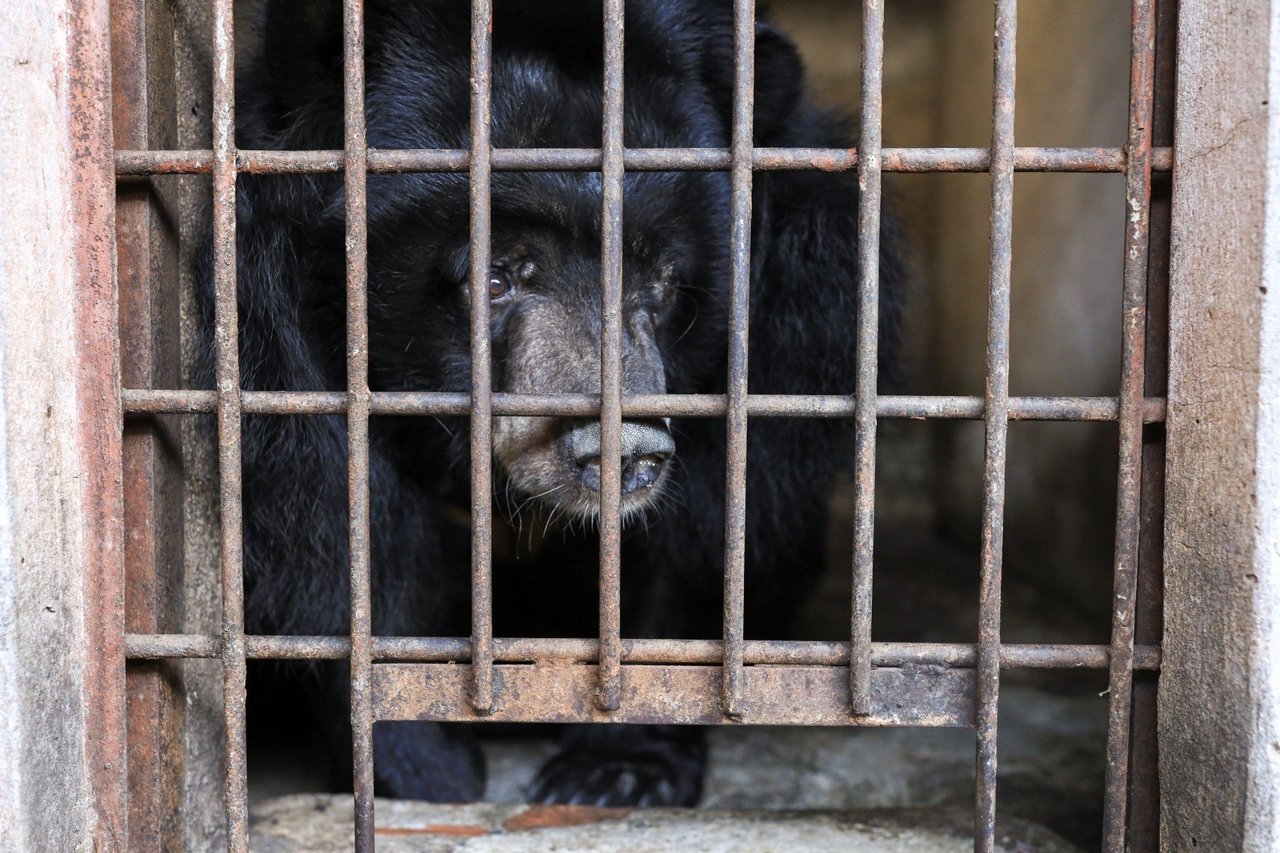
{"points": [[547, 89]]}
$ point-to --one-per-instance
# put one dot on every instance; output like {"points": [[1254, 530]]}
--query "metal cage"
{"points": [[612, 678]]}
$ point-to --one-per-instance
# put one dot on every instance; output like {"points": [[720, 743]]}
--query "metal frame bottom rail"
{"points": [[557, 692], [666, 681]]}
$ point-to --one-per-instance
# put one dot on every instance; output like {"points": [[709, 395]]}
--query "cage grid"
{"points": [[612, 678]]}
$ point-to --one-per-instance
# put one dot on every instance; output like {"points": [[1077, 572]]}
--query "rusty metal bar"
{"points": [[908, 160], [609, 683], [865, 420], [1093, 409], [357, 273], [1129, 477], [735, 485], [681, 695], [524, 649], [996, 421], [1143, 816], [150, 473], [72, 54], [483, 696], [226, 341]]}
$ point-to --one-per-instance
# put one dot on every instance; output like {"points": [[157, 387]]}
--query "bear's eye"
{"points": [[664, 294], [500, 284]]}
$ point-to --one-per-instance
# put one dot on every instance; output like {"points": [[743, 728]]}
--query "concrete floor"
{"points": [[320, 824]]}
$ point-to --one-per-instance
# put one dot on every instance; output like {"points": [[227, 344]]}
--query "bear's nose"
{"points": [[646, 447]]}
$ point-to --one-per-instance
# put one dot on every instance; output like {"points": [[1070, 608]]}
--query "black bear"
{"points": [[544, 287]]}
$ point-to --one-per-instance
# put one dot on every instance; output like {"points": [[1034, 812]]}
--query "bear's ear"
{"points": [[779, 81], [302, 51]]}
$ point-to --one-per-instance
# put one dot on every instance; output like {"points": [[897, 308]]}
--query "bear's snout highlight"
{"points": [[558, 462], [646, 448]]}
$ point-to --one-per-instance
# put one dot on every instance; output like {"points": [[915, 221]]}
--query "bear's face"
{"points": [[545, 310], [545, 292]]}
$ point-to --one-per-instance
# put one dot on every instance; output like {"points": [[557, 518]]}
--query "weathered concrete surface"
{"points": [[61, 656], [1219, 717], [318, 824]]}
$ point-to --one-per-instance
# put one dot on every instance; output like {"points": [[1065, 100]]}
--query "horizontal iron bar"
{"points": [[131, 163], [676, 694], [711, 652], [140, 401]]}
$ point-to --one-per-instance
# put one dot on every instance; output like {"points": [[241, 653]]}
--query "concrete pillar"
{"points": [[61, 599]]}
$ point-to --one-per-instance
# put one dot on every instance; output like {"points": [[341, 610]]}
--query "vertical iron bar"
{"points": [[355, 164], [1129, 477], [482, 692], [735, 516], [142, 102], [1142, 822], [996, 420], [226, 342], [611, 175], [868, 342]]}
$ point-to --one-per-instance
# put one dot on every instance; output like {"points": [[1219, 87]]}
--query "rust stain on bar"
{"points": [[680, 695], [735, 507], [996, 423], [909, 160], [608, 689], [357, 233], [482, 687], [865, 420], [1129, 478]]}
